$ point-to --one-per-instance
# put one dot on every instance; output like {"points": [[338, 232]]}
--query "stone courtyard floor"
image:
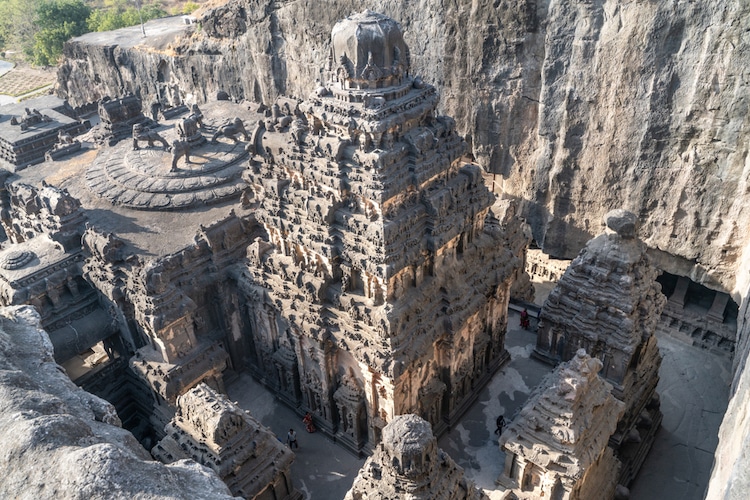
{"points": [[694, 388]]}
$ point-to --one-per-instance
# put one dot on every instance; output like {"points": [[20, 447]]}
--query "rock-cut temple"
{"points": [[383, 286], [339, 248]]}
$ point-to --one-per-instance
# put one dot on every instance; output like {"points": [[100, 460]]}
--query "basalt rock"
{"points": [[608, 303], [60, 441], [557, 445], [385, 262], [532, 87], [216, 433]]}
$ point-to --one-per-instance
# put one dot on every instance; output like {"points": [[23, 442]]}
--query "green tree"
{"points": [[58, 21], [117, 14], [18, 24]]}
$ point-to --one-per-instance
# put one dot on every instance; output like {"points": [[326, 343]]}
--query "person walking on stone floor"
{"points": [[525, 319], [500, 422], [291, 439]]}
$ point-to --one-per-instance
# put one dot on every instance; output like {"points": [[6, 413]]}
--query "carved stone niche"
{"points": [[312, 395], [350, 403], [286, 368], [430, 401]]}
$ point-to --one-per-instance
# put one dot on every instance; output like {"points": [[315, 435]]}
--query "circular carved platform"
{"points": [[16, 259], [141, 179]]}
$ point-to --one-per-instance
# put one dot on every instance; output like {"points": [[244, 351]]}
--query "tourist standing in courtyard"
{"points": [[291, 439]]}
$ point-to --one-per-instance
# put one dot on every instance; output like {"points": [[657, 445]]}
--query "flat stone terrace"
{"points": [[159, 33], [200, 192]]}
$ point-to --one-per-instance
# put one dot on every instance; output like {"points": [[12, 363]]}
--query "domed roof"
{"points": [[407, 435], [370, 47]]}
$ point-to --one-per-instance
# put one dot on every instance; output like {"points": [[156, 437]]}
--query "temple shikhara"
{"points": [[340, 248], [368, 300]]}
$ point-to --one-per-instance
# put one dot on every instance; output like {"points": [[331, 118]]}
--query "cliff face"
{"points": [[579, 107]]}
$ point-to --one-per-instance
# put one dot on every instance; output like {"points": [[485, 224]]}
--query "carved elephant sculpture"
{"points": [[179, 149], [143, 134], [231, 130]]}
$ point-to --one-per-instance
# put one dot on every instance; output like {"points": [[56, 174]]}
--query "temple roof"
{"points": [[370, 47]]}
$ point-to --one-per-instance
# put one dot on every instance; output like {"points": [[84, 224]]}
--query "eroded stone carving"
{"points": [[76, 435], [557, 445], [216, 433], [119, 118], [609, 303], [408, 464], [231, 130], [28, 134], [144, 134], [378, 231]]}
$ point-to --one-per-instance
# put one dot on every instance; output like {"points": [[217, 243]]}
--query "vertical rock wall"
{"points": [[579, 107]]}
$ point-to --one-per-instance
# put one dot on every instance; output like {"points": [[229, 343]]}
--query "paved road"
{"points": [[6, 66]]}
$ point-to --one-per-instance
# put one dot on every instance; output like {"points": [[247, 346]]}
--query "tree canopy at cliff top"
{"points": [[37, 29]]}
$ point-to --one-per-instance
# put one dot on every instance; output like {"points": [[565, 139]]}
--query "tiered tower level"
{"points": [[385, 288]]}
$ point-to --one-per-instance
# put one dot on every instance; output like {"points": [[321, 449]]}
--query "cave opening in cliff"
{"points": [[698, 314]]}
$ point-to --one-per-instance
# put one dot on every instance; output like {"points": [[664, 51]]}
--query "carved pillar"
{"points": [[716, 313], [680, 291]]}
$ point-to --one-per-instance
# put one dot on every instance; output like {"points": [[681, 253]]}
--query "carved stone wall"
{"points": [[27, 133], [608, 303], [168, 309], [572, 137], [60, 441], [408, 464], [41, 263], [216, 433], [557, 445]]}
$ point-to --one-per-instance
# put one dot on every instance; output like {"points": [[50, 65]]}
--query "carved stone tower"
{"points": [[408, 464], [385, 288], [608, 302], [557, 446]]}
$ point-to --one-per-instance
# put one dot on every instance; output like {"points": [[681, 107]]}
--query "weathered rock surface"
{"points": [[608, 302], [534, 87], [407, 464], [59, 441]]}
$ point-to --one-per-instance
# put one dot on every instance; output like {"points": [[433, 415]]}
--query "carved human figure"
{"points": [[196, 114]]}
